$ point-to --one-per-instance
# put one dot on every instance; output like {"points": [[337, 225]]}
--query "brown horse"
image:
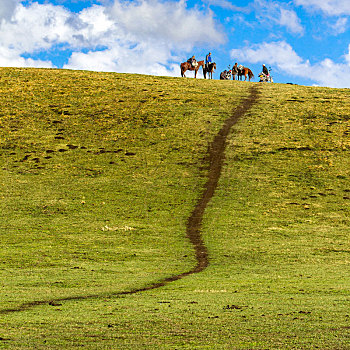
{"points": [[187, 66], [210, 70], [245, 72]]}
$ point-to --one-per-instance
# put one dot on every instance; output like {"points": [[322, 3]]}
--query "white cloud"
{"points": [[164, 22], [267, 12], [329, 73], [273, 12], [285, 59], [39, 27], [93, 27], [228, 5], [36, 27], [7, 8], [329, 7], [347, 56], [141, 37], [290, 20], [10, 58], [138, 36], [340, 26], [278, 53], [120, 59]]}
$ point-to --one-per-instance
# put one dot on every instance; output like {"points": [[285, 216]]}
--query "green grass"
{"points": [[99, 174], [281, 218]]}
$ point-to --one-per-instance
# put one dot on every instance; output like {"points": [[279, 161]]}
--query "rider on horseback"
{"points": [[265, 75], [265, 70], [208, 60], [192, 61]]}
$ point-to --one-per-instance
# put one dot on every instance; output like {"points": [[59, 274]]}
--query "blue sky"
{"points": [[304, 41]]}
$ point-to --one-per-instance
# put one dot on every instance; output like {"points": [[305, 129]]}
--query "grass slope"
{"points": [[99, 173]]}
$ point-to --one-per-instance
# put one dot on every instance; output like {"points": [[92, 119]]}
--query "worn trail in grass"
{"points": [[99, 175], [215, 158]]}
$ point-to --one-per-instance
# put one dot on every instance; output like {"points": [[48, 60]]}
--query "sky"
{"points": [[305, 42]]}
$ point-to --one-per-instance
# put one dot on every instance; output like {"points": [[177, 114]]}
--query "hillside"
{"points": [[100, 173]]}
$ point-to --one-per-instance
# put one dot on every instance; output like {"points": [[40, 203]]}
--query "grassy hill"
{"points": [[99, 175]]}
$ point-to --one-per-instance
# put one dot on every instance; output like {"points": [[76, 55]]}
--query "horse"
{"points": [[187, 66], [210, 70], [245, 72]]}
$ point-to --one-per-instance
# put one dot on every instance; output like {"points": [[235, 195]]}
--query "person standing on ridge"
{"points": [[234, 71]]}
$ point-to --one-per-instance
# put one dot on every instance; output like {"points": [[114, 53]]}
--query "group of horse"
{"points": [[210, 69]]}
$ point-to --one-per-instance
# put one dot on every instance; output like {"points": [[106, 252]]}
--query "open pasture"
{"points": [[99, 175]]}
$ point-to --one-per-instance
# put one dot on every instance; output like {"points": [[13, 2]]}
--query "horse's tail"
{"points": [[182, 71], [250, 73]]}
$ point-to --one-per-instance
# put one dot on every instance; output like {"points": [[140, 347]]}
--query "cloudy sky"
{"points": [[304, 41]]}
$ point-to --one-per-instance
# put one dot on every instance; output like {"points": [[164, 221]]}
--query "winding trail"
{"points": [[216, 158]]}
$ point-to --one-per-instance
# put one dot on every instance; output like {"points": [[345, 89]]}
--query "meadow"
{"points": [[99, 175]]}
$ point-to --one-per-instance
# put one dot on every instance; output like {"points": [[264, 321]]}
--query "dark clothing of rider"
{"points": [[192, 61], [265, 70]]}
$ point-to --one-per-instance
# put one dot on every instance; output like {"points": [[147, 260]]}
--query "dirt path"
{"points": [[216, 158]]}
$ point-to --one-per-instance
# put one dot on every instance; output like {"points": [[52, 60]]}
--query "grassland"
{"points": [[99, 174]]}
